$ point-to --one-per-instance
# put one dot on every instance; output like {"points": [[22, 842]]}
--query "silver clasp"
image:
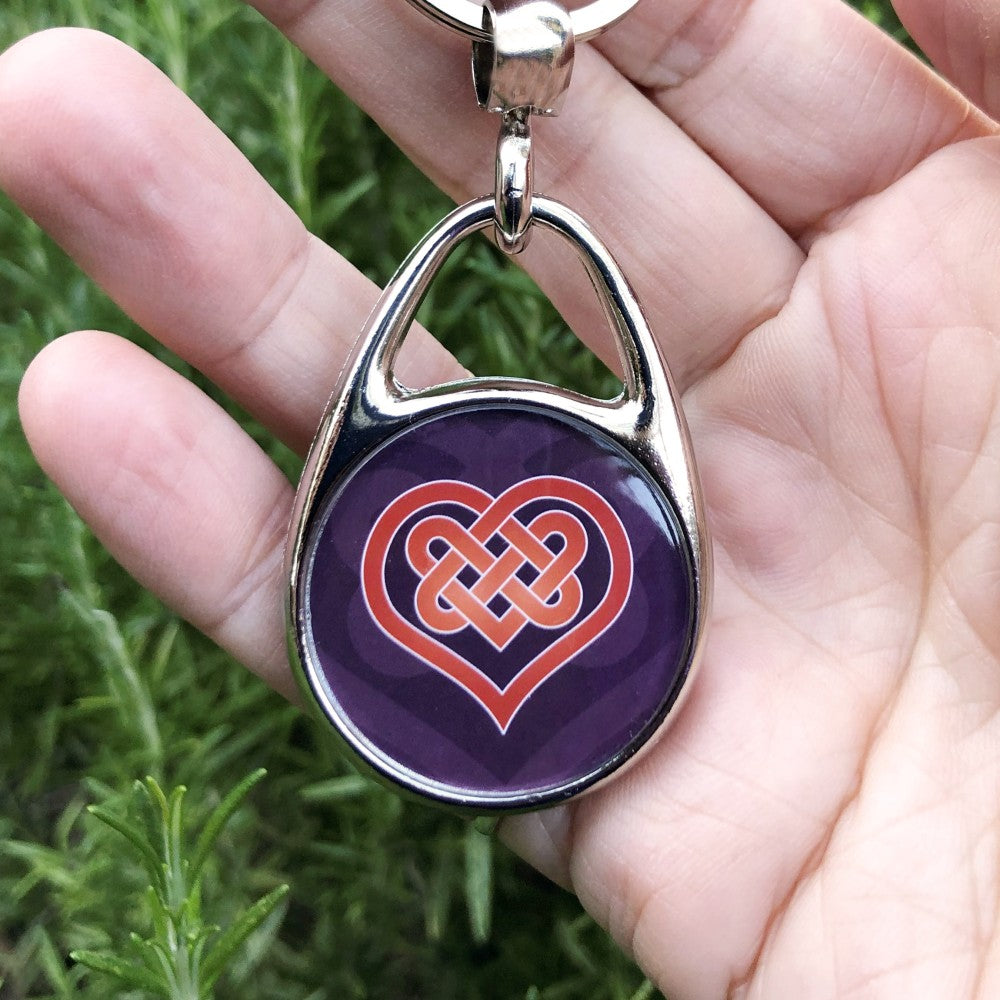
{"points": [[522, 68]]}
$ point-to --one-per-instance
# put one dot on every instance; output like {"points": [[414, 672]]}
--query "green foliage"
{"points": [[882, 13], [100, 683], [184, 957], [479, 882]]}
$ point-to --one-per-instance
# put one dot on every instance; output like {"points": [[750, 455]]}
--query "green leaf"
{"points": [[225, 947], [164, 958], [569, 934], [158, 913], [147, 953], [479, 883], [135, 836], [134, 976], [437, 892], [173, 847], [349, 786], [53, 963], [218, 820], [158, 798], [644, 992], [176, 823]]}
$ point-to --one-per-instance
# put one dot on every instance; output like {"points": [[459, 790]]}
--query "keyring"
{"points": [[466, 16]]}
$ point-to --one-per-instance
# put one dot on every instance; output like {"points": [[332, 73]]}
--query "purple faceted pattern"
{"points": [[588, 712]]}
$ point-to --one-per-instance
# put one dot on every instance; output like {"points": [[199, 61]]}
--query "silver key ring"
{"points": [[466, 16]]}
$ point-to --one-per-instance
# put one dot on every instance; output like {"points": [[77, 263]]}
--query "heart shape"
{"points": [[535, 583]]}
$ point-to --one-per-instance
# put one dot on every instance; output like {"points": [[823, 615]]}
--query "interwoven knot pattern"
{"points": [[538, 586]]}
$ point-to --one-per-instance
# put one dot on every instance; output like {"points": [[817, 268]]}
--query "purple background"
{"points": [[587, 712]]}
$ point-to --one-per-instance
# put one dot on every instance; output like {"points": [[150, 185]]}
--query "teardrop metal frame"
{"points": [[369, 405]]}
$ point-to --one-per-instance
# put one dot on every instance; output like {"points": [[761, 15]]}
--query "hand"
{"points": [[816, 241]]}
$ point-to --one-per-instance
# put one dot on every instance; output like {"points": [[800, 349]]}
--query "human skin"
{"points": [[812, 220]]}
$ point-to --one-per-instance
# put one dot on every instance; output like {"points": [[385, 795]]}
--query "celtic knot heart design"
{"points": [[551, 600], [498, 576]]}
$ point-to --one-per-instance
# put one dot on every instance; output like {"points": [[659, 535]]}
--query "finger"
{"points": [[164, 212], [707, 262], [810, 110], [175, 489], [962, 40]]}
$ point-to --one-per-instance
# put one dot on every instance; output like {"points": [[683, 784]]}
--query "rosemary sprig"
{"points": [[183, 957]]}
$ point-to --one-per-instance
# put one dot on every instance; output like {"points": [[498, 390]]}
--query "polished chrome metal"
{"points": [[527, 60], [466, 16], [645, 419], [514, 183], [524, 68]]}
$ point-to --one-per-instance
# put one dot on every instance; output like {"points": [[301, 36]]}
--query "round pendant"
{"points": [[497, 589], [500, 606]]}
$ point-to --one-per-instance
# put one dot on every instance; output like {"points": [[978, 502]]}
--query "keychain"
{"points": [[498, 588]]}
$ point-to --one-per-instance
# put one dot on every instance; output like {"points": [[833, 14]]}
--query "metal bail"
{"points": [[514, 189], [523, 68], [527, 60]]}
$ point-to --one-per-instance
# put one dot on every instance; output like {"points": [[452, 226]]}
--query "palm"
{"points": [[826, 805], [820, 820]]}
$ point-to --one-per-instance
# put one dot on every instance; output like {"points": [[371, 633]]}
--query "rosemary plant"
{"points": [[184, 956]]}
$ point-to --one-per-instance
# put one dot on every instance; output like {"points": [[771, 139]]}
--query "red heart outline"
{"points": [[501, 703]]}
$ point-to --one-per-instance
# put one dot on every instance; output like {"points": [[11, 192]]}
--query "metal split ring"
{"points": [[466, 16]]}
